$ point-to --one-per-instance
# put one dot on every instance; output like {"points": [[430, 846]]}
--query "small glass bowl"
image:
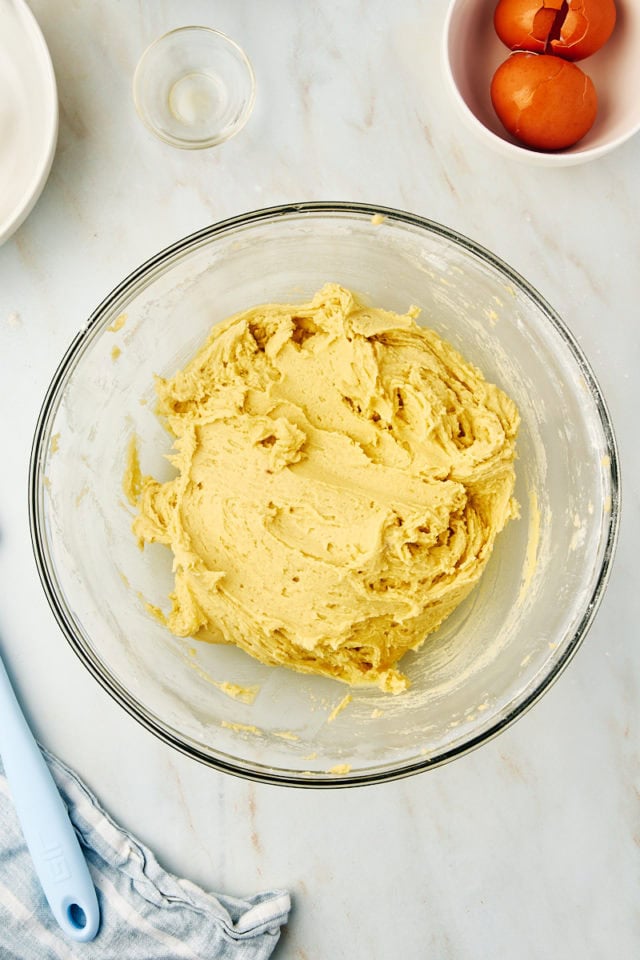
{"points": [[194, 87]]}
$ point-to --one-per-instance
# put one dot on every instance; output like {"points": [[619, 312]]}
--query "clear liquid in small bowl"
{"points": [[198, 101]]}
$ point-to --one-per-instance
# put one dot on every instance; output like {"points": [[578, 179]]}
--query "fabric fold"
{"points": [[146, 912]]}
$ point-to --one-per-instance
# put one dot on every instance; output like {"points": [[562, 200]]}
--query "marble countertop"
{"points": [[528, 847]]}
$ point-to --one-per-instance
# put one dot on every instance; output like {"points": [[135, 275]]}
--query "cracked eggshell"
{"points": [[582, 26], [472, 52], [526, 24], [587, 27], [545, 102]]}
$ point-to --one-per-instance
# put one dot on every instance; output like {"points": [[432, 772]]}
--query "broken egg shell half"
{"points": [[572, 29]]}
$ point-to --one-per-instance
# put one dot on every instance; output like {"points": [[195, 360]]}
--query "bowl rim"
{"points": [[36, 483], [500, 144]]}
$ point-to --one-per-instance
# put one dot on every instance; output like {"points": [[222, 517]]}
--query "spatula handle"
{"points": [[50, 836]]}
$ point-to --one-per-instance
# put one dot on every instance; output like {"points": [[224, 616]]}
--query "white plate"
{"points": [[28, 114]]}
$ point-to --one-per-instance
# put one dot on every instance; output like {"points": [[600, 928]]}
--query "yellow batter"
{"points": [[341, 476]]}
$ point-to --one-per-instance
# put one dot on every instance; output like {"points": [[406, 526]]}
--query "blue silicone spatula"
{"points": [[51, 839]]}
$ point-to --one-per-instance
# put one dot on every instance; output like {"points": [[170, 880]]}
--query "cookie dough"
{"points": [[341, 475]]}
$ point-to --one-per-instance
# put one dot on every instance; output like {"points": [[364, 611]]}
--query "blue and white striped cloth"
{"points": [[146, 914]]}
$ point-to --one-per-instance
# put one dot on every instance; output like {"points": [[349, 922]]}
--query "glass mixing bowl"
{"points": [[491, 659]]}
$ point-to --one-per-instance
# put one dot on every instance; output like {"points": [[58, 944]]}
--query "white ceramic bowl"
{"points": [[28, 114], [472, 52]]}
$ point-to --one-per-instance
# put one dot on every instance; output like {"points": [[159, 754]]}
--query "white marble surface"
{"points": [[528, 847]]}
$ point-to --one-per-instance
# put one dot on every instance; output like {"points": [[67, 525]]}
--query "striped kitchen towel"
{"points": [[146, 913]]}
